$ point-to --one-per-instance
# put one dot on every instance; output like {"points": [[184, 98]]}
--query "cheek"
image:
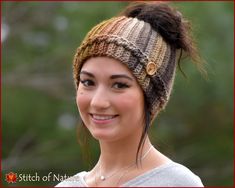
{"points": [[132, 104], [82, 101]]}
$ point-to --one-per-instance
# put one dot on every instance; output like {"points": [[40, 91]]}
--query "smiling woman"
{"points": [[124, 72]]}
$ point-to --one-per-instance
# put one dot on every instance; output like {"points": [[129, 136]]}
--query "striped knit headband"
{"points": [[134, 43]]}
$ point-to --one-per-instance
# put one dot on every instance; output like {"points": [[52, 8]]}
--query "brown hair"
{"points": [[175, 30]]}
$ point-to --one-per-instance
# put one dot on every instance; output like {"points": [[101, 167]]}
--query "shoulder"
{"points": [[171, 174], [180, 175], [74, 181]]}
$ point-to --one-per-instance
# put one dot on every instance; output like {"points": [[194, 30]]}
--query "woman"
{"points": [[124, 71]]}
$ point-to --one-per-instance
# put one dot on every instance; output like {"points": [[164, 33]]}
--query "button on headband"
{"points": [[151, 68]]}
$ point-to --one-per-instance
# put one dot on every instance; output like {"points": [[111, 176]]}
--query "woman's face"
{"points": [[110, 101]]}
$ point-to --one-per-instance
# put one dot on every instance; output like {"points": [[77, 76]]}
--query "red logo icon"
{"points": [[11, 177]]}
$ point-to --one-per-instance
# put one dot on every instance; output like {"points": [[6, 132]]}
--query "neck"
{"points": [[119, 155]]}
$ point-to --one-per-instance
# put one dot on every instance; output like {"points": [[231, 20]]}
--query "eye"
{"points": [[120, 85], [87, 83]]}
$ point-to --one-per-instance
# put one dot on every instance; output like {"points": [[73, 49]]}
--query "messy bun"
{"points": [[170, 24]]}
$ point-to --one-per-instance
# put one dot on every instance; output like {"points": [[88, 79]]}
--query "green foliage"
{"points": [[39, 113]]}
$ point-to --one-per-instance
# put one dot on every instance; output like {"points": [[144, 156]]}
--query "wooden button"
{"points": [[151, 68]]}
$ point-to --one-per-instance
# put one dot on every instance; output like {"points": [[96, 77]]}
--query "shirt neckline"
{"points": [[158, 168]]}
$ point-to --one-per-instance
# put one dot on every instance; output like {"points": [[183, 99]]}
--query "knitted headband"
{"points": [[143, 50]]}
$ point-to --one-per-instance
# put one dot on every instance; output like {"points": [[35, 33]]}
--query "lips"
{"points": [[102, 118]]}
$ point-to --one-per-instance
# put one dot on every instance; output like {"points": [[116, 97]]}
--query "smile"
{"points": [[98, 118]]}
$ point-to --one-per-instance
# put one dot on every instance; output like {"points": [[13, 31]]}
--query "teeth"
{"points": [[98, 117]]}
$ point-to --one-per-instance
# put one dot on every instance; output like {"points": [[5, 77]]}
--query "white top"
{"points": [[171, 174]]}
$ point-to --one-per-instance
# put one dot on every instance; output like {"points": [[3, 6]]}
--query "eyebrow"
{"points": [[121, 76], [87, 73], [115, 76]]}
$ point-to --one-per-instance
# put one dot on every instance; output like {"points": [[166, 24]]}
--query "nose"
{"points": [[100, 99]]}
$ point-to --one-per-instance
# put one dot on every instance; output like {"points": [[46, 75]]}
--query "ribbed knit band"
{"points": [[134, 43]]}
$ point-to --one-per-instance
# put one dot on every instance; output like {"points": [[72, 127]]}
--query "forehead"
{"points": [[105, 65]]}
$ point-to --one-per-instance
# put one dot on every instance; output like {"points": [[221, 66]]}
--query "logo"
{"points": [[11, 177]]}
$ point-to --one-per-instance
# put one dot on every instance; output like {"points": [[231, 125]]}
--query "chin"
{"points": [[104, 136]]}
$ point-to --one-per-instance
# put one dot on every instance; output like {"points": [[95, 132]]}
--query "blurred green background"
{"points": [[39, 114]]}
